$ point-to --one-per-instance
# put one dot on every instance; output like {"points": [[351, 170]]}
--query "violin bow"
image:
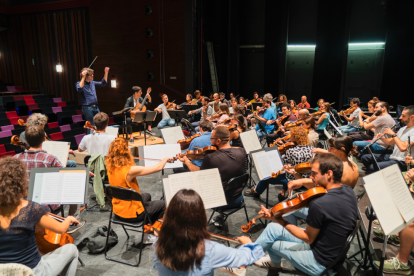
{"points": [[93, 62]]}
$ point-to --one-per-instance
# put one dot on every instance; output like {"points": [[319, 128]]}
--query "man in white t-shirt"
{"points": [[398, 140], [353, 122], [99, 141]]}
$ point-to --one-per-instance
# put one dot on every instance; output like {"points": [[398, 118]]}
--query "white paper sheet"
{"points": [[171, 135], [58, 149], [250, 141], [51, 188], [160, 152], [73, 189], [112, 131], [267, 163]]}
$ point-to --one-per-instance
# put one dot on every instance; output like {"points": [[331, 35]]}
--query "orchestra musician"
{"points": [[368, 134], [18, 219], [206, 111], [293, 108], [198, 97], [303, 103], [256, 99], [233, 103], [174, 254], [86, 88], [37, 119], [290, 117], [224, 110], [35, 157], [323, 120], [123, 173], [301, 153], [241, 127], [205, 127], [215, 103], [223, 98], [330, 220], [269, 114], [309, 124], [166, 119], [353, 123], [319, 104], [132, 102], [398, 140], [189, 101]]}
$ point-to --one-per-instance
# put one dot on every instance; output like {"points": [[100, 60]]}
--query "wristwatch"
{"points": [[394, 135]]}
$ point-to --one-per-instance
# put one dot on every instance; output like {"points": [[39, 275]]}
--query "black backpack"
{"points": [[96, 243]]}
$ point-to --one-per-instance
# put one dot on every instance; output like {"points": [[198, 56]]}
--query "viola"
{"points": [[301, 201], [88, 125], [185, 143], [170, 105], [21, 122], [348, 111], [15, 141]]}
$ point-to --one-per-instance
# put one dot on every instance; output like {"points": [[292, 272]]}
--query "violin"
{"points": [[278, 121], [196, 154], [318, 113], [216, 116], [232, 128], [21, 122], [301, 201], [348, 111], [282, 149], [170, 105], [295, 124], [299, 168], [88, 125], [15, 141], [185, 143], [261, 111]]}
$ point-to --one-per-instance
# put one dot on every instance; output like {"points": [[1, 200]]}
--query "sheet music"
{"points": [[160, 152], [210, 188], [51, 188], [58, 149], [73, 188], [267, 163], [399, 191], [383, 203], [112, 131], [171, 135], [250, 141]]}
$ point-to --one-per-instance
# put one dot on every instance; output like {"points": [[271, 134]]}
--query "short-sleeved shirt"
{"points": [[355, 121], [209, 111], [230, 163], [201, 142], [87, 93], [380, 124], [269, 114], [164, 112], [18, 241], [403, 134], [335, 215], [97, 143], [313, 138], [297, 155]]}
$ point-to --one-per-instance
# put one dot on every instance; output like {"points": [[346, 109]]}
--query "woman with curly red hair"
{"points": [[123, 173], [18, 218]]}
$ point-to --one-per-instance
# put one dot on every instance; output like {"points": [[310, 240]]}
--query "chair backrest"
{"points": [[9, 127], [77, 118], [32, 106], [56, 136], [65, 128], [56, 100], [86, 160], [53, 125], [61, 104], [29, 101], [3, 149], [56, 109], [123, 194], [236, 182], [28, 97], [6, 133], [78, 138], [11, 114]]}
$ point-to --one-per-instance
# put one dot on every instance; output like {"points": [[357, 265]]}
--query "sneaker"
{"points": [[149, 238], [75, 227], [234, 271], [265, 262], [218, 221], [395, 266], [393, 239], [150, 132], [105, 209], [251, 193]]}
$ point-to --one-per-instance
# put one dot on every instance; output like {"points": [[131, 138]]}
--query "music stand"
{"points": [[262, 128], [148, 116], [255, 105], [124, 111], [189, 107], [177, 115]]}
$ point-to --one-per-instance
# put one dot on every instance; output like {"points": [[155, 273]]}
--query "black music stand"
{"points": [[144, 117], [177, 115], [262, 128], [189, 107], [124, 112], [255, 105]]}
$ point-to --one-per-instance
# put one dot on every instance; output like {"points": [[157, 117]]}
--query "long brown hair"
{"points": [[181, 240], [118, 155], [225, 109], [240, 120]]}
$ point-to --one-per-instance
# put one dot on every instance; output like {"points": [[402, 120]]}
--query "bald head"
{"points": [[303, 114]]}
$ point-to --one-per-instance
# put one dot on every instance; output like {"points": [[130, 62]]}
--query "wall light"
{"points": [[113, 83], [370, 43], [59, 68], [311, 46]]}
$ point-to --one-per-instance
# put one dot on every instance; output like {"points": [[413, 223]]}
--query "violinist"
{"points": [[175, 255], [287, 117], [302, 153], [368, 134], [123, 173], [205, 127], [303, 103], [229, 161], [256, 99], [198, 97], [18, 218], [309, 124], [223, 99], [189, 101], [132, 102], [232, 96], [330, 220], [215, 103], [319, 104], [269, 114], [323, 121], [166, 119], [233, 103], [37, 119], [206, 111], [293, 108], [353, 123], [281, 99], [225, 113], [241, 127]]}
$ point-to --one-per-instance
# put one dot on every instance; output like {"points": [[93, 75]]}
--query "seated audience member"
{"points": [[18, 218], [40, 120], [319, 104], [383, 121], [166, 119], [309, 124], [123, 173], [303, 103], [269, 114], [330, 220], [353, 122], [323, 120], [398, 140], [241, 127], [231, 162], [35, 157], [302, 153], [174, 254], [368, 134], [206, 127], [99, 141]]}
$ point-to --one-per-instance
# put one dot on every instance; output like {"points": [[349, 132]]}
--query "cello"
{"points": [[15, 141]]}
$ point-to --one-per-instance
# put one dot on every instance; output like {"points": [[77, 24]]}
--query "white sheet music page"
{"points": [[399, 191], [153, 152], [385, 208], [177, 182], [73, 188], [58, 149], [250, 141], [112, 131], [171, 135], [170, 151], [267, 163], [52, 188], [162, 151], [210, 188]]}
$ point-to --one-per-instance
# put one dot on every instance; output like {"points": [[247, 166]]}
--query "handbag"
{"points": [[96, 242]]}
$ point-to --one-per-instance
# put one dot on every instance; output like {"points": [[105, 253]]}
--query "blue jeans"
{"points": [[280, 179], [233, 204], [71, 164], [383, 161], [163, 123], [89, 112], [260, 133], [374, 147], [279, 243], [347, 129]]}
